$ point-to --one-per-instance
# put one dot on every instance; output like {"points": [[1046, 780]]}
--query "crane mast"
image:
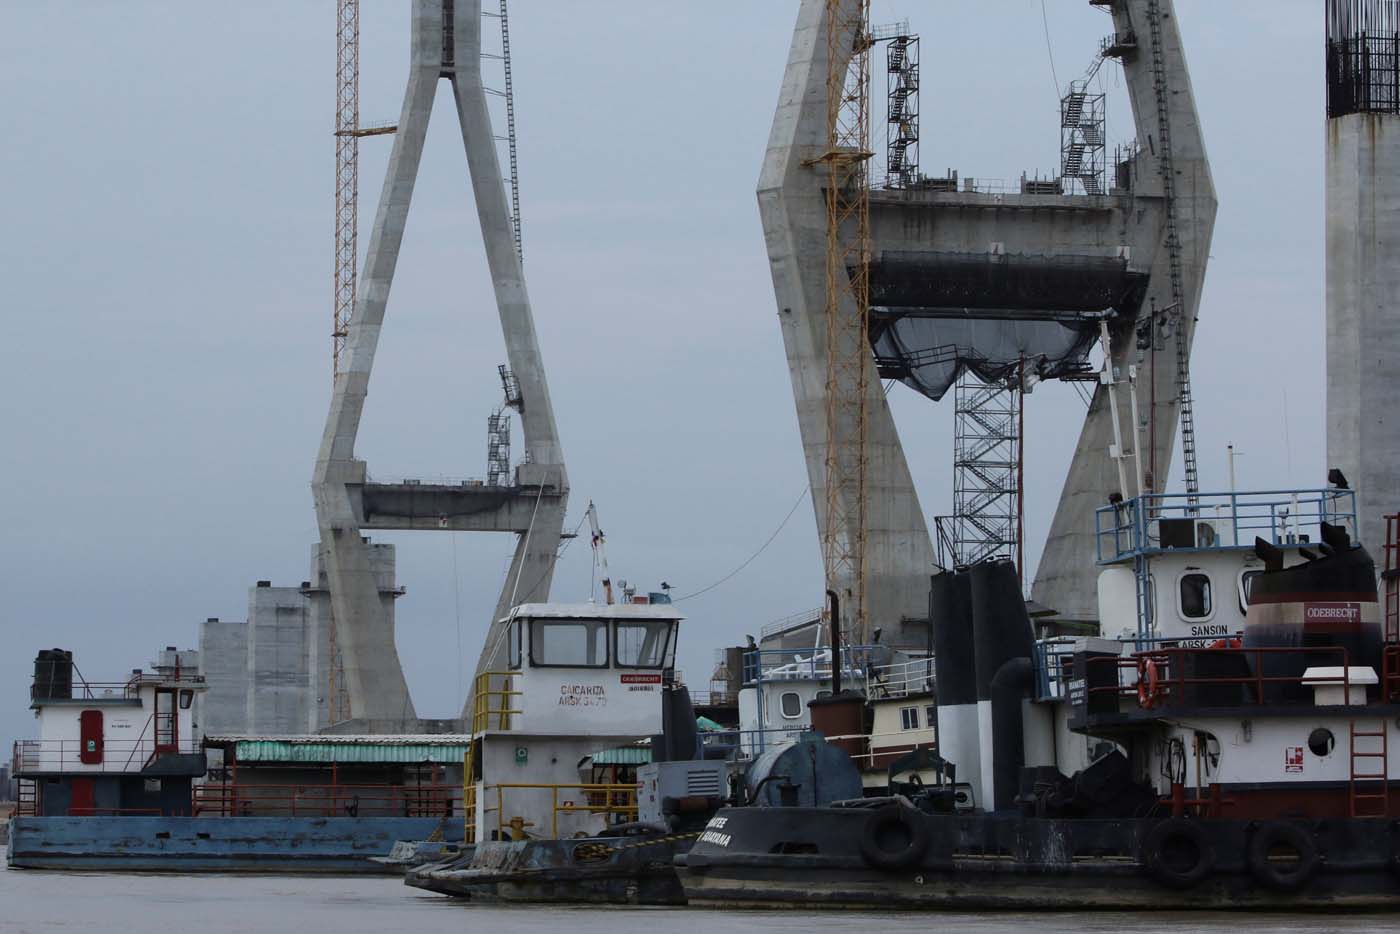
{"points": [[845, 160]]}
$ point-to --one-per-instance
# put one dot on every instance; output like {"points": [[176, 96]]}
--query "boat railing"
{"points": [[793, 621], [762, 665], [1219, 521], [496, 701], [54, 756], [1172, 676], [234, 799], [564, 801], [899, 679]]}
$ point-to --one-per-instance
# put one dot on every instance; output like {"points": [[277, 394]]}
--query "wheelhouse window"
{"points": [[1246, 582], [1195, 596], [791, 705], [908, 718], [643, 643], [569, 643], [513, 639]]}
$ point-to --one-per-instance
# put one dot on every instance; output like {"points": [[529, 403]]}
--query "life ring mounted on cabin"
{"points": [[1149, 686]]}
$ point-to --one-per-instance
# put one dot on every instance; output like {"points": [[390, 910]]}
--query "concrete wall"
{"points": [[282, 697], [223, 649], [1363, 328], [272, 673]]}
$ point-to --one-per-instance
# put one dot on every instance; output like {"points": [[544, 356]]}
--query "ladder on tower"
{"points": [[1178, 307], [1369, 787]]}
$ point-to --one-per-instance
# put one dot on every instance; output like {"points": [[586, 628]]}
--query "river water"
{"points": [[49, 902]]}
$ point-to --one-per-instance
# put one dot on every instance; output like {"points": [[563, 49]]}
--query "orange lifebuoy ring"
{"points": [[1231, 643], [1149, 684]]}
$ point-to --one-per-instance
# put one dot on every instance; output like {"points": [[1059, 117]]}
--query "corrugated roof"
{"points": [[623, 755], [358, 739], [313, 753]]}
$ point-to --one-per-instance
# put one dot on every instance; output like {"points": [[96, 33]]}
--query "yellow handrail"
{"points": [[481, 721], [609, 805]]}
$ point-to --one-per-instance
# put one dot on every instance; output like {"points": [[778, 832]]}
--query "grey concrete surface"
{"points": [[1363, 313], [373, 673]]}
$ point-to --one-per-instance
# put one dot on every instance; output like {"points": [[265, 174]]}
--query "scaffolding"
{"points": [[498, 448], [987, 420], [1083, 144], [902, 110]]}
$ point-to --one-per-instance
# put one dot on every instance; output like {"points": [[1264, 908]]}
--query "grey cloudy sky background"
{"points": [[166, 187]]}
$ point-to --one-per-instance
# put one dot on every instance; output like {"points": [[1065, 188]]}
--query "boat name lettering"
{"points": [[582, 695], [717, 822], [715, 837], [1219, 629], [1331, 612], [641, 679]]}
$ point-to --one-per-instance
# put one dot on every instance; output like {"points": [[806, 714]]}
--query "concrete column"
{"points": [[1363, 313], [1065, 579], [791, 205]]}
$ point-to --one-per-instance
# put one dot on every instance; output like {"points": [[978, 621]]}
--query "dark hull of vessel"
{"points": [[595, 870], [336, 845], [809, 858]]}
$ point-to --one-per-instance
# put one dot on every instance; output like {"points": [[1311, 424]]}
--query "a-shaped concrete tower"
{"points": [[959, 272], [446, 44]]}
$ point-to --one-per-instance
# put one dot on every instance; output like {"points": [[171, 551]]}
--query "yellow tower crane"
{"points": [[846, 162]]}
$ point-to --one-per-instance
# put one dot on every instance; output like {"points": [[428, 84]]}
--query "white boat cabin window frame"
{"points": [[1242, 588], [1209, 594], [514, 657], [782, 705], [909, 718], [668, 643], [538, 624]]}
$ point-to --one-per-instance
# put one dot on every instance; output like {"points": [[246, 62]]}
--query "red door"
{"points": [[83, 802], [90, 737]]}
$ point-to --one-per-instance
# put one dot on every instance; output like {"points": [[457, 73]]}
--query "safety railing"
{"points": [[566, 800], [495, 701], [900, 679], [1159, 678], [52, 756], [1221, 520], [335, 800], [793, 621], [805, 664]]}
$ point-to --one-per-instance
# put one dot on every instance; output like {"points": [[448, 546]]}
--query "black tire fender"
{"points": [[1269, 873], [873, 832], [1169, 836]]}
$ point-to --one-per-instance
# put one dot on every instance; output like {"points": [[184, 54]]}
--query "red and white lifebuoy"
{"points": [[1149, 684]]}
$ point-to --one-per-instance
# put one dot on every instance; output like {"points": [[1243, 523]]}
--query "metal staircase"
{"points": [[1177, 310]]}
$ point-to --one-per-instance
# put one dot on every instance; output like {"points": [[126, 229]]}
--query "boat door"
{"points": [[82, 801], [167, 721], [90, 738]]}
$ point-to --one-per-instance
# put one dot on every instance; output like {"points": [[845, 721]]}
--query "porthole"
{"points": [[791, 705], [1321, 742]]}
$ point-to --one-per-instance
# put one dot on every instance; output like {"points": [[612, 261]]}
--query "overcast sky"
{"points": [[166, 190]]}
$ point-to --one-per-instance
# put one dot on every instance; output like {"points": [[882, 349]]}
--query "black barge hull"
{"points": [[597, 870], [850, 858]]}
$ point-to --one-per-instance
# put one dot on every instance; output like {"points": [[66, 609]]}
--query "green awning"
{"points": [[263, 750], [623, 755]]}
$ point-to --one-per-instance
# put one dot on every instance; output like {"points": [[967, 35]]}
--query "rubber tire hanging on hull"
{"points": [[875, 829], [1269, 873], [1158, 853]]}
